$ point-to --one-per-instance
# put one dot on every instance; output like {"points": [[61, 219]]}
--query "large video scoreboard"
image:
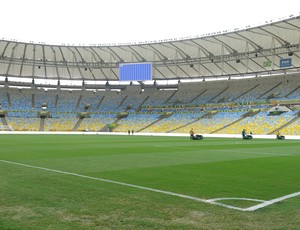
{"points": [[135, 71]]}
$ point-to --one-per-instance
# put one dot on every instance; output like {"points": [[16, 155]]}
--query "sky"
{"points": [[85, 22]]}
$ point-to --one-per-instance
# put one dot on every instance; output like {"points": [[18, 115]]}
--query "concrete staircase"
{"points": [[199, 95], [212, 99], [42, 124], [249, 114], [286, 124], [268, 91], [207, 115], [245, 93], [153, 123], [4, 123], [77, 124]]}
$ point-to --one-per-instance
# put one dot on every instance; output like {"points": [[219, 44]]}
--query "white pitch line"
{"points": [[208, 201], [269, 202], [108, 181], [214, 201], [237, 198]]}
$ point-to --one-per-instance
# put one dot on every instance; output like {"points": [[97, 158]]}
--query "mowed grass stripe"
{"points": [[90, 153], [193, 168], [199, 168]]}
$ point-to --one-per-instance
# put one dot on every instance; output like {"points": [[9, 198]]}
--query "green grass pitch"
{"points": [[35, 196]]}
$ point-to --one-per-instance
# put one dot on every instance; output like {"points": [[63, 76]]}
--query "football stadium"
{"points": [[187, 133]]}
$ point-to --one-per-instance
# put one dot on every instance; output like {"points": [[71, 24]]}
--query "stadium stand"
{"points": [[209, 107], [212, 85]]}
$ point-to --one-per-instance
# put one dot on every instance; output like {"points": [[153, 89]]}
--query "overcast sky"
{"points": [[120, 21]]}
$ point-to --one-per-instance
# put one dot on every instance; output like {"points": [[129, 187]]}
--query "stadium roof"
{"points": [[252, 50]]}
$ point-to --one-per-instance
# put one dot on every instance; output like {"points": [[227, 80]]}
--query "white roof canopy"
{"points": [[256, 50]]}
